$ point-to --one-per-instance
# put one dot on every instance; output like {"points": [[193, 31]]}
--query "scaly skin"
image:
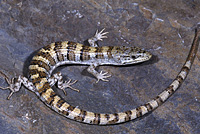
{"points": [[56, 54]]}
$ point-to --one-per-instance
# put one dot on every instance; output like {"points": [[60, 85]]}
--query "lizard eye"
{"points": [[133, 57]]}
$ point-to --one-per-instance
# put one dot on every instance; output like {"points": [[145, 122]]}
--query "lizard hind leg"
{"points": [[57, 78], [15, 84]]}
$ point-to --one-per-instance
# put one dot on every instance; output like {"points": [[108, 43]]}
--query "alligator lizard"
{"points": [[48, 58]]}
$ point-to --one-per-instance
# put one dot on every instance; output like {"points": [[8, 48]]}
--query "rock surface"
{"points": [[165, 28]]}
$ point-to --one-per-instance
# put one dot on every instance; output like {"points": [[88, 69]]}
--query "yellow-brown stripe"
{"points": [[44, 87], [40, 64], [109, 52], [58, 49], [47, 55], [99, 53]]}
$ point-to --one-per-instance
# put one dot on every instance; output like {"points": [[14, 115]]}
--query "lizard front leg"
{"points": [[98, 36], [100, 76], [16, 83], [57, 77]]}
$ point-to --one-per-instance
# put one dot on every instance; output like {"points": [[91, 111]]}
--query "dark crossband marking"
{"points": [[40, 64], [63, 109], [186, 69], [179, 79], [97, 118], [109, 52], [84, 53], [48, 47], [77, 52], [107, 116], [47, 56], [36, 80], [170, 90], [138, 111], [99, 53], [128, 115], [81, 116], [41, 74], [65, 113], [58, 49], [70, 51], [115, 119], [158, 100], [70, 108], [50, 99], [149, 107], [44, 88], [60, 103]]}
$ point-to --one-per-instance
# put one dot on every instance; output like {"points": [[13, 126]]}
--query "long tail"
{"points": [[55, 102]]}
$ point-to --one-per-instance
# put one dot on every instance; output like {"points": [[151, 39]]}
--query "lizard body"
{"points": [[59, 53]]}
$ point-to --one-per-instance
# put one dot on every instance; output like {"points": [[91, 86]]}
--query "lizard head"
{"points": [[131, 55]]}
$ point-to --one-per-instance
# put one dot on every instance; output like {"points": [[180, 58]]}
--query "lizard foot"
{"points": [[102, 76], [100, 35], [67, 84], [11, 84]]}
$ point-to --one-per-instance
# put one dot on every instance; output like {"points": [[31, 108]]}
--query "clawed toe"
{"points": [[11, 93], [10, 83], [102, 76], [100, 35], [67, 84]]}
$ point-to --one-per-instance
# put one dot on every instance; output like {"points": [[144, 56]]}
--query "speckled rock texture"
{"points": [[165, 28]]}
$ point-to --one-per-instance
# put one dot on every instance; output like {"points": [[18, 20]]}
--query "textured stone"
{"points": [[165, 28]]}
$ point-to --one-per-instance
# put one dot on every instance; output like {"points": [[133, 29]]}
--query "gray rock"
{"points": [[165, 28]]}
